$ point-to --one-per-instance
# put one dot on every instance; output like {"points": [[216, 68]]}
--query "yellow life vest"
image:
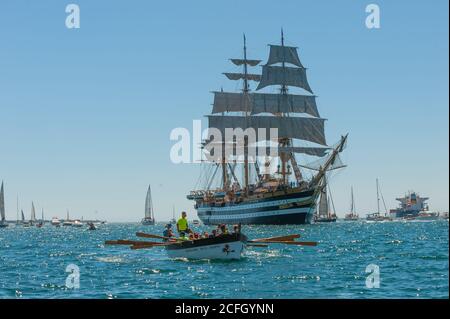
{"points": [[182, 224]]}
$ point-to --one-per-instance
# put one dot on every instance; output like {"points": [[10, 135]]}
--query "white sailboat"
{"points": [[67, 221], [3, 222], [41, 222], [24, 222], [149, 218], [352, 216], [33, 215], [324, 214], [173, 220], [377, 217]]}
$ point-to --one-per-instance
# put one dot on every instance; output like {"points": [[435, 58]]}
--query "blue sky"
{"points": [[85, 114]]}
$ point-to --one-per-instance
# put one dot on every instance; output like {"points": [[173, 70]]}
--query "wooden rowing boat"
{"points": [[223, 247]]}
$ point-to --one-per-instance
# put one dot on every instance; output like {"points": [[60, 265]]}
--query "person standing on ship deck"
{"points": [[182, 224]]}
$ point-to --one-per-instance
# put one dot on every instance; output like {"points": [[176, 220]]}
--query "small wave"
{"points": [[111, 259]]}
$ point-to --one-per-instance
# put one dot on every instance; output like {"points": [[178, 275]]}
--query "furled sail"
{"points": [[279, 54], [309, 129], [266, 150], [257, 103], [277, 75], [148, 204], [248, 62], [23, 215], [2, 204], [241, 76]]}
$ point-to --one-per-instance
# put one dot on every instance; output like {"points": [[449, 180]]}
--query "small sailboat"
{"points": [[33, 215], [173, 220], [377, 217], [67, 221], [41, 222], [24, 222], [149, 218], [324, 215], [352, 216], [3, 222]]}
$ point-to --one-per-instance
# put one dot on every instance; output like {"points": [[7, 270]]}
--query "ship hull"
{"points": [[295, 208]]}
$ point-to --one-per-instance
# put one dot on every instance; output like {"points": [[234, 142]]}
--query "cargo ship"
{"points": [[411, 205]]}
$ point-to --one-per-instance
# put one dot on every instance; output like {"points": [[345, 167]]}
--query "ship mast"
{"points": [[246, 108], [283, 141], [378, 199]]}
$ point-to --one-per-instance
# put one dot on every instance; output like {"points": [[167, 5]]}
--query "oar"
{"points": [[280, 238], [145, 235], [298, 243], [143, 246], [129, 242]]}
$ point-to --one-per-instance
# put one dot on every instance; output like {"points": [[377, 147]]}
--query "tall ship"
{"points": [[411, 205], [149, 217], [265, 188]]}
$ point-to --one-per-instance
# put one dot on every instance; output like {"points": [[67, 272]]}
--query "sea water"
{"points": [[402, 260]]}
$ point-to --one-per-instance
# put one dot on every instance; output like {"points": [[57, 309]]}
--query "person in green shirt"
{"points": [[182, 224]]}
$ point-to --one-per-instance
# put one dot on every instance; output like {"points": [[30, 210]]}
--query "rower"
{"points": [[223, 229], [168, 232], [182, 224]]}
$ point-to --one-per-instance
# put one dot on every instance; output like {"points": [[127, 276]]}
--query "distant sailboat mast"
{"points": [[2, 204], [378, 199], [352, 205]]}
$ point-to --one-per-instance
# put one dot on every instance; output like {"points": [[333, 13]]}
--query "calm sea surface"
{"points": [[412, 258]]}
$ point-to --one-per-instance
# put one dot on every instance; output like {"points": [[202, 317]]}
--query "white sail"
{"points": [[279, 54], [309, 129], [149, 204], [277, 75], [33, 212], [2, 204], [257, 103], [323, 203]]}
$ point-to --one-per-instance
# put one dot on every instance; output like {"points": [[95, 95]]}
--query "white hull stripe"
{"points": [[304, 210], [255, 205]]}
